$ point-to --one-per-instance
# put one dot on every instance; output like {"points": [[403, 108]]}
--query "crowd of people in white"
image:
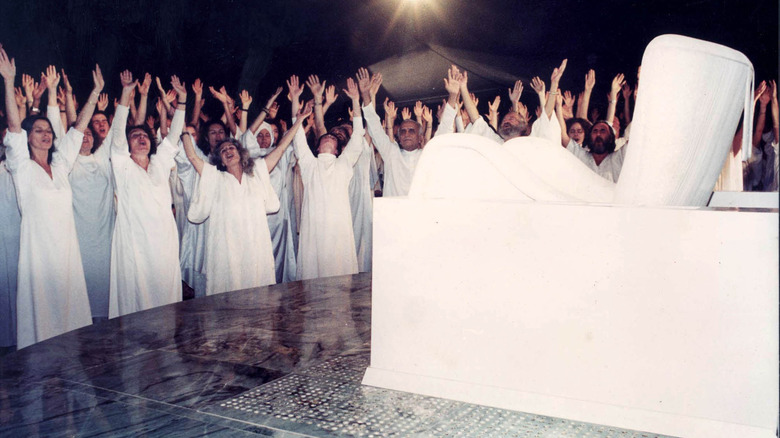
{"points": [[113, 214]]}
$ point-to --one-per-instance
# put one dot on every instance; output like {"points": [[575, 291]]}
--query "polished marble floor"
{"points": [[282, 361]]}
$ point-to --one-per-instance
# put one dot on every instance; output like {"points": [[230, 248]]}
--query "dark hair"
{"points": [[610, 141], [152, 137], [203, 141], [247, 164], [27, 125], [586, 125]]}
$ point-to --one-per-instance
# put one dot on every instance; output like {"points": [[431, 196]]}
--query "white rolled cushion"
{"points": [[691, 95]]}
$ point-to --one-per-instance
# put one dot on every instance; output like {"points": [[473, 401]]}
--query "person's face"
{"points": [[264, 139], [140, 143], [576, 133], [513, 125], [41, 135], [87, 142], [409, 136], [194, 133], [214, 135], [100, 125], [599, 137], [229, 155], [328, 145]]}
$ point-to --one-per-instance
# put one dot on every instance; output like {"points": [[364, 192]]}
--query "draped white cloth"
{"points": [[51, 291], [9, 256], [145, 249], [238, 242], [327, 243], [93, 210], [282, 223], [361, 202], [193, 238], [400, 164]]}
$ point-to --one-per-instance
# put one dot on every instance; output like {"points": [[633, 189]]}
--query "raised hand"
{"points": [[558, 72], [246, 99], [352, 90], [452, 81], [515, 92], [590, 79], [102, 103], [150, 120], [376, 82], [7, 66], [170, 96], [538, 85], [626, 91], [19, 97], [391, 111], [364, 80], [98, 81], [40, 87], [295, 89], [180, 88], [330, 95], [143, 87], [568, 104], [617, 84], [66, 83], [316, 87], [28, 84], [126, 79], [406, 114], [52, 79], [306, 110], [474, 99], [418, 109], [522, 110], [197, 87], [493, 106], [759, 91], [159, 106], [273, 109], [61, 98], [427, 115], [219, 95], [765, 97]]}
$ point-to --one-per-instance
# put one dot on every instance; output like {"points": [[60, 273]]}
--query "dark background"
{"points": [[255, 45]]}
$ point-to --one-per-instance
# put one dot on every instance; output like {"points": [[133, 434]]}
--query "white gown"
{"points": [[327, 243], [145, 249], [51, 291], [193, 240], [238, 243], [9, 256], [361, 201], [281, 224], [93, 210]]}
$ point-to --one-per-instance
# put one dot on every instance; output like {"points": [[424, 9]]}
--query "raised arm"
{"points": [[493, 112], [468, 103], [590, 82], [317, 89], [364, 85], [189, 150], [21, 103], [246, 100], [568, 105], [538, 85], [8, 71], [119, 124], [627, 92], [354, 148], [272, 159], [561, 122], [762, 97], [163, 94], [330, 97], [143, 90], [391, 112], [222, 96], [617, 84], [295, 89], [177, 123], [163, 114], [197, 88], [82, 121], [554, 80], [70, 104], [775, 117], [427, 116], [52, 108], [264, 112]]}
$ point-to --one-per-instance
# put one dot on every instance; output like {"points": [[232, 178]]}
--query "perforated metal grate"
{"points": [[328, 400]]}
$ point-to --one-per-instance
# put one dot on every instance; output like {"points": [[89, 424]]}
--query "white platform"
{"points": [[655, 319]]}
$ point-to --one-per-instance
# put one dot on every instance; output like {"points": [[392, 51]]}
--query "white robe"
{"points": [[9, 256], [609, 168], [361, 201], [193, 240], [145, 249], [399, 163], [238, 242], [51, 291], [281, 224], [93, 210], [327, 243]]}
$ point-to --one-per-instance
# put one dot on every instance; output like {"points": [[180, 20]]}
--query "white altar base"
{"points": [[660, 319]]}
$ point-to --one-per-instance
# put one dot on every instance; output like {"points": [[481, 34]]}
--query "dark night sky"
{"points": [[256, 44]]}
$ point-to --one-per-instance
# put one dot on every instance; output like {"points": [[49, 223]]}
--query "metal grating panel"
{"points": [[328, 400]]}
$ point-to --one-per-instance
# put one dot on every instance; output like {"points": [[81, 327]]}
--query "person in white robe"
{"points": [[9, 255], [261, 139], [145, 248], [327, 246], [51, 290], [235, 195]]}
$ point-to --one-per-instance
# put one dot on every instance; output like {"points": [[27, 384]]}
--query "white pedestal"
{"points": [[655, 319]]}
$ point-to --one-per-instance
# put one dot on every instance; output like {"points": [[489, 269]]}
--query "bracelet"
{"points": [[62, 111], [244, 110], [182, 103], [264, 109], [317, 103], [35, 109]]}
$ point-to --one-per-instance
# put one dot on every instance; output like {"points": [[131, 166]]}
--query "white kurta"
{"points": [[361, 201], [543, 127], [9, 256], [609, 168], [238, 243], [193, 240], [51, 291], [145, 249], [327, 244], [399, 163], [281, 224], [93, 210]]}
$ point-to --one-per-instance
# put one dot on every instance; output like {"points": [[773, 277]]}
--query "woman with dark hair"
{"points": [[145, 248], [51, 294], [235, 195]]}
